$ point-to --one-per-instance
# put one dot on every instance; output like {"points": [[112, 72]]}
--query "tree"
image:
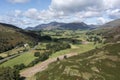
{"points": [[1, 57], [9, 74], [37, 54], [44, 56], [20, 66]]}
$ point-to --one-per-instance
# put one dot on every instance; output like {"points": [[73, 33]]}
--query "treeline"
{"points": [[57, 46], [68, 40]]}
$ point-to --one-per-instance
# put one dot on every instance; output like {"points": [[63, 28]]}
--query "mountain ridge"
{"points": [[60, 25]]}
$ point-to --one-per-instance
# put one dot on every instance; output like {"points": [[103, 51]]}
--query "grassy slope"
{"points": [[11, 36], [75, 49], [98, 64]]}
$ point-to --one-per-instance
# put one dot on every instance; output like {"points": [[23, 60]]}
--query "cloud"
{"points": [[31, 13], [112, 4], [69, 6], [17, 13], [101, 20], [114, 14], [88, 14], [18, 1], [100, 11]]}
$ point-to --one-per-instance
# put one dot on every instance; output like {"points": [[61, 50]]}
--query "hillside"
{"points": [[109, 31], [97, 64], [11, 36], [113, 35], [57, 25], [114, 23]]}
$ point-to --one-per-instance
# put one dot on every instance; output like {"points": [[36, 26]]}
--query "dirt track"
{"points": [[42, 66]]}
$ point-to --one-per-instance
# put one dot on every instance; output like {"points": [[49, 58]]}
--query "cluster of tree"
{"points": [[41, 57], [94, 39], [69, 40], [19, 66], [52, 47], [89, 33], [7, 73], [45, 38]]}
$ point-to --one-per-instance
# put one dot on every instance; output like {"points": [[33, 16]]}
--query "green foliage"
{"points": [[9, 74], [37, 54], [20, 66], [46, 38], [44, 56], [57, 46], [1, 57]]}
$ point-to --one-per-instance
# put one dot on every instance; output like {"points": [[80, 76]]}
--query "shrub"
{"points": [[20, 66], [44, 56], [37, 54], [9, 74], [1, 57]]}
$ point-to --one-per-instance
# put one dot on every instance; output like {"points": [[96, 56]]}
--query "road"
{"points": [[42, 66], [15, 55], [10, 57]]}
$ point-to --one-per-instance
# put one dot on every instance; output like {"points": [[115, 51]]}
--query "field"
{"points": [[25, 58], [11, 52], [80, 34], [97, 64], [75, 49]]}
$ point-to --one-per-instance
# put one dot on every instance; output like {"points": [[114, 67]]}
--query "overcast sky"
{"points": [[24, 13]]}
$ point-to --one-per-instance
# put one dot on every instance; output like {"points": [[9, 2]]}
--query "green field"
{"points": [[11, 52], [25, 58], [75, 49]]}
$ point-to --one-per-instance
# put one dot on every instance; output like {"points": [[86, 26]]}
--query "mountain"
{"points": [[114, 23], [112, 34], [29, 28], [75, 26], [110, 31], [12, 36], [57, 25], [92, 26]]}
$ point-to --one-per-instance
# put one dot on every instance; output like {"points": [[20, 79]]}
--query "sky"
{"points": [[29, 13]]}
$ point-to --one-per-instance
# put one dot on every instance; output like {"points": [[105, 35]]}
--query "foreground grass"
{"points": [[97, 64]]}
